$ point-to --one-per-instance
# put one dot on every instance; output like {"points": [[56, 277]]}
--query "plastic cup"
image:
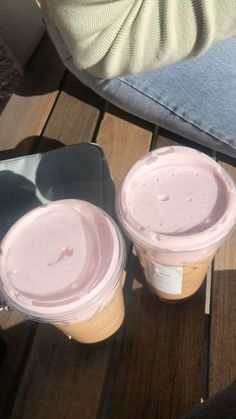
{"points": [[177, 205], [62, 263]]}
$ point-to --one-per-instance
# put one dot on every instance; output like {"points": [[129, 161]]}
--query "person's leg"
{"points": [[194, 98]]}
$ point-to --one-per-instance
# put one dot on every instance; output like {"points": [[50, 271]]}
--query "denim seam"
{"points": [[226, 140]]}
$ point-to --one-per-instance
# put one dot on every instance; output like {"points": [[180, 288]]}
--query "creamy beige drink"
{"points": [[177, 205], [62, 263], [103, 324], [192, 278]]}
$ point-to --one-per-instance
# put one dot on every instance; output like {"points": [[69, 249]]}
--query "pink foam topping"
{"points": [[57, 255], [179, 199]]}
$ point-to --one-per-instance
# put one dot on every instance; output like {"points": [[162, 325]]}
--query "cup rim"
{"points": [[180, 243]]}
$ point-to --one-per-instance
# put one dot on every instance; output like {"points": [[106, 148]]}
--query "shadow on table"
{"points": [[15, 344], [17, 197], [40, 359], [31, 145], [163, 352], [166, 336]]}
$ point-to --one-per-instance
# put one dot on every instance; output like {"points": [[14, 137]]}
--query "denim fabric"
{"points": [[195, 98]]}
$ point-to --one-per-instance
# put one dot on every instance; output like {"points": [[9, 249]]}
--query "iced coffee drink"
{"points": [[103, 324], [62, 263], [177, 205]]}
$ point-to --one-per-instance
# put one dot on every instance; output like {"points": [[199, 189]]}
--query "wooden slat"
{"points": [[63, 379], [24, 117], [158, 374], [29, 108], [17, 333], [75, 117], [159, 370], [68, 376], [124, 139], [222, 359]]}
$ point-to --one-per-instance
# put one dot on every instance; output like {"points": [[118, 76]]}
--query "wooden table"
{"points": [[165, 358]]}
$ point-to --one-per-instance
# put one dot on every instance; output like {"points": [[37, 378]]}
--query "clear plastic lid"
{"points": [[61, 260], [176, 199]]}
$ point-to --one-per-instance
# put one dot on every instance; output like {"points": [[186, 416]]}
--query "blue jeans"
{"points": [[195, 98]]}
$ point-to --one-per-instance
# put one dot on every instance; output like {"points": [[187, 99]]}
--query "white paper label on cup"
{"points": [[164, 278]]}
